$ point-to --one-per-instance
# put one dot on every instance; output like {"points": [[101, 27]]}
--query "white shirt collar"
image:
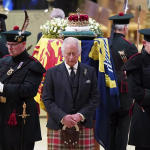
{"points": [[75, 67]]}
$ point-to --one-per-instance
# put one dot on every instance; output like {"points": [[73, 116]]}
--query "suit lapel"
{"points": [[66, 82], [81, 78], [65, 78]]}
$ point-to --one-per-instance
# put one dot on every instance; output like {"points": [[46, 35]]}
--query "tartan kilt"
{"points": [[86, 139]]}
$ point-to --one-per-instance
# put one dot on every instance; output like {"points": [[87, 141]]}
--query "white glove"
{"points": [[1, 87]]}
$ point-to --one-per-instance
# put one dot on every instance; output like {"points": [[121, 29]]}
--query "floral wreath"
{"points": [[53, 28]]}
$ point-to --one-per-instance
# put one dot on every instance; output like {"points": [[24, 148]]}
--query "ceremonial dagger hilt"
{"points": [[24, 115]]}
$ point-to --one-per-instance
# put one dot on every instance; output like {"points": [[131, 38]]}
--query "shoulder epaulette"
{"points": [[34, 58], [134, 55], [126, 40]]}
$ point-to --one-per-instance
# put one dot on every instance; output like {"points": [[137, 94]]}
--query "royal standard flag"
{"points": [[48, 52]]}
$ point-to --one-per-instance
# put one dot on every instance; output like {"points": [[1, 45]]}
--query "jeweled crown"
{"points": [[78, 19]]}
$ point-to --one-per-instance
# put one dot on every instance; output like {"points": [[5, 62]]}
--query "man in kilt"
{"points": [[70, 96], [20, 76]]}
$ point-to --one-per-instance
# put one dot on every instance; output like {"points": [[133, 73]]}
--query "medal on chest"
{"points": [[122, 55], [10, 71]]}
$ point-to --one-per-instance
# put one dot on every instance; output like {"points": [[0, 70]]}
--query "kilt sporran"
{"points": [[70, 136]]}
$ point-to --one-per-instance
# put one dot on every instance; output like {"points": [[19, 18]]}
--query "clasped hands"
{"points": [[71, 120]]}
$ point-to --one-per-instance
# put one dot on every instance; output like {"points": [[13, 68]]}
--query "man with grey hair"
{"points": [[121, 28], [121, 50], [70, 95], [57, 13]]}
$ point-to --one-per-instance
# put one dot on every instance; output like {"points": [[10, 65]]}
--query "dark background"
{"points": [[29, 4], [66, 5]]}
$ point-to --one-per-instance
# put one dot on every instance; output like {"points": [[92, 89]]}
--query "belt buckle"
{"points": [[2, 99]]}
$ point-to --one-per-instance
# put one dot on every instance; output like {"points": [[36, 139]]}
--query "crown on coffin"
{"points": [[78, 19]]}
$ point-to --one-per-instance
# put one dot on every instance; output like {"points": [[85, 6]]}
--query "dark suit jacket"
{"points": [[57, 95]]}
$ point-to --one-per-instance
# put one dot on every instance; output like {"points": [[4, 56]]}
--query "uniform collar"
{"points": [[119, 35], [21, 57]]}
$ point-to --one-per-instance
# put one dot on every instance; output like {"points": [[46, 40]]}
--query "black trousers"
{"points": [[1, 128], [119, 131], [141, 148], [27, 146]]}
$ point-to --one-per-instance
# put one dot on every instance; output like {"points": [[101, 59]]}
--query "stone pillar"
{"points": [[147, 20], [103, 3]]}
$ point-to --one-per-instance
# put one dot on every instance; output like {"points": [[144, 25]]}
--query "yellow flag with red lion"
{"points": [[48, 52]]}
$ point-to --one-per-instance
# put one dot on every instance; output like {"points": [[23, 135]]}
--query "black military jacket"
{"points": [[120, 44], [3, 48], [121, 50], [138, 72], [21, 77]]}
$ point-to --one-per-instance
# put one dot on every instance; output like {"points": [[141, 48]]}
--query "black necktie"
{"points": [[72, 74]]}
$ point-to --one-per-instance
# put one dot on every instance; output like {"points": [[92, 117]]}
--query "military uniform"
{"points": [[20, 86], [3, 48], [20, 76], [121, 50], [3, 52], [138, 71], [121, 45]]}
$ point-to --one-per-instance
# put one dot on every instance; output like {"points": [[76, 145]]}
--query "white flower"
{"points": [[52, 28], [95, 27]]}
